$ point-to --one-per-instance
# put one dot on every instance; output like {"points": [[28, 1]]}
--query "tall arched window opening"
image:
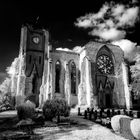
{"points": [[34, 84], [73, 78], [57, 76]]}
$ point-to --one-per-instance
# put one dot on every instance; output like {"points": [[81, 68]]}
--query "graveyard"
{"points": [[78, 126]]}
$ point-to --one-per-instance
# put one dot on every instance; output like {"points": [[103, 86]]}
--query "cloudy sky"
{"points": [[69, 23]]}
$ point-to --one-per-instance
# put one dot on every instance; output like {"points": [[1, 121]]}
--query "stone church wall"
{"points": [[118, 97], [65, 58]]}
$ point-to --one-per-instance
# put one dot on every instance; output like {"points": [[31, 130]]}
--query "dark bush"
{"points": [[7, 102], [49, 110], [26, 110], [55, 107]]}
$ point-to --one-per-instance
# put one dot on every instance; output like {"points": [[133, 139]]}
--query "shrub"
{"points": [[26, 110], [55, 107], [49, 110], [7, 101]]}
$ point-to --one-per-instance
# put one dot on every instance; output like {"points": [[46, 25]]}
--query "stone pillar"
{"points": [[43, 88], [94, 96], [20, 88], [126, 88], [88, 82], [50, 80], [67, 83], [82, 98], [46, 92]]}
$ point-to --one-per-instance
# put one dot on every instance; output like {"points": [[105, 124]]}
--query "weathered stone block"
{"points": [[125, 129], [115, 122], [135, 128], [19, 99]]}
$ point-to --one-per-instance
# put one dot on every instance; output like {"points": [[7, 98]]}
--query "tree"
{"points": [[12, 70], [6, 94], [5, 87], [135, 70]]}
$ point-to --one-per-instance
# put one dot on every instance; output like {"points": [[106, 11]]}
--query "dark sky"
{"points": [[57, 17]]}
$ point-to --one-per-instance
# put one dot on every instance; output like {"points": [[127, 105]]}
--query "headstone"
{"points": [[134, 114], [138, 114], [125, 129], [113, 113], [115, 122], [88, 109], [129, 113], [79, 113], [95, 114], [101, 114], [108, 113], [92, 109], [90, 115], [85, 114], [118, 112], [124, 112], [135, 128]]}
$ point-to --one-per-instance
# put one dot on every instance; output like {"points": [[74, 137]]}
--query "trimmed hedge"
{"points": [[55, 107]]}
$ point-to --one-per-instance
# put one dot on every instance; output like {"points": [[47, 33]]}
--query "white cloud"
{"points": [[128, 47], [129, 17], [111, 21], [101, 12], [64, 49], [109, 34], [117, 10], [77, 49], [84, 23]]}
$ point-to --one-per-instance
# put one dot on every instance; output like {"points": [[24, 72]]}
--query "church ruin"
{"points": [[92, 77]]}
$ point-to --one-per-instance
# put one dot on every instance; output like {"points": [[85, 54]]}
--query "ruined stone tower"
{"points": [[33, 52]]}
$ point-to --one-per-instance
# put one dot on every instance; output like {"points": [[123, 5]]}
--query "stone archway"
{"points": [[108, 98], [105, 96]]}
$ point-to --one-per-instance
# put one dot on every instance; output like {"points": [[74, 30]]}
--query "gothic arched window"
{"points": [[73, 77], [34, 84], [57, 76], [104, 61]]}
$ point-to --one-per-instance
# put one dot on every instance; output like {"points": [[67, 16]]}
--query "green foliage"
{"points": [[26, 110], [135, 70], [7, 102], [5, 87], [14, 68], [55, 107]]}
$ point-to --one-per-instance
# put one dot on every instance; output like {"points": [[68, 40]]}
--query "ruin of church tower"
{"points": [[33, 53]]}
